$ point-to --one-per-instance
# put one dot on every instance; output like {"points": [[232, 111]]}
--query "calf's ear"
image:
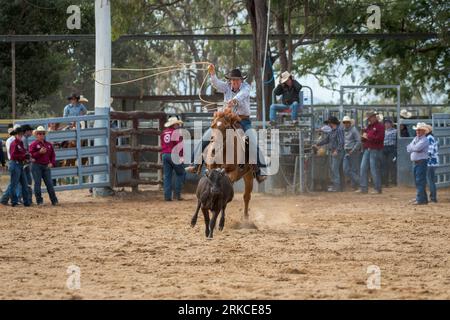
{"points": [[207, 172], [222, 171]]}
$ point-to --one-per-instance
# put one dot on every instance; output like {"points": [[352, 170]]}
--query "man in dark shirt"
{"points": [[289, 89], [336, 141], [373, 143]]}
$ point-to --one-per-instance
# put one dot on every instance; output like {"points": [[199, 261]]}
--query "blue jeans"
{"points": [[293, 108], [431, 180], [18, 178], [420, 178], [168, 167], [371, 159], [351, 165], [388, 165], [7, 194], [27, 171], [41, 172], [336, 162]]}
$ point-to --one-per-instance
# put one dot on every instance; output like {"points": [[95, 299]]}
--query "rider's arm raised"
{"points": [[220, 85]]}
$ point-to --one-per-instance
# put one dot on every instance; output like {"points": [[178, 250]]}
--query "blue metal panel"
{"points": [[441, 131], [78, 134]]}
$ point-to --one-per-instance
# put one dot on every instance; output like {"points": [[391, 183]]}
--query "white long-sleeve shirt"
{"points": [[8, 145], [242, 96]]}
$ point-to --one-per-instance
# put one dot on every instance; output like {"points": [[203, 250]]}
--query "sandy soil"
{"points": [[305, 247]]}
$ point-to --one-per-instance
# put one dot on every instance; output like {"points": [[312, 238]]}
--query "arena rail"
{"points": [[134, 148], [82, 131]]}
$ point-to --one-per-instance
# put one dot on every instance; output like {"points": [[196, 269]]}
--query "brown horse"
{"points": [[222, 121]]}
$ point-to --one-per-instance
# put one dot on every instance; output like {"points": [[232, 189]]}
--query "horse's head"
{"points": [[224, 120]]}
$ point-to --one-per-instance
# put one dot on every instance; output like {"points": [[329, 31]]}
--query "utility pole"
{"points": [[13, 80], [103, 75]]}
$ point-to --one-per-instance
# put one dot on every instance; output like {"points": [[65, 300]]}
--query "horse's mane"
{"points": [[228, 115]]}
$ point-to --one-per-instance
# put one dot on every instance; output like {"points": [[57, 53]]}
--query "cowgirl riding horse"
{"points": [[237, 98]]}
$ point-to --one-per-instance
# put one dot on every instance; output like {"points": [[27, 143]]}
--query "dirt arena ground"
{"points": [[316, 246]]}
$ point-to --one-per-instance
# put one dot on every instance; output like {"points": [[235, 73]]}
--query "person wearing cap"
{"points": [[237, 98], [388, 163], [289, 90], [373, 142], [172, 158], [352, 148], [44, 159], [336, 141], [74, 108], [18, 156], [433, 162], [418, 149]]}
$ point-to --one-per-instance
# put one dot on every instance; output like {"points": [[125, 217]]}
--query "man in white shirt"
{"points": [[236, 94]]}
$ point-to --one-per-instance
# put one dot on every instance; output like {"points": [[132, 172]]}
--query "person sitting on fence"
{"points": [[237, 98], [44, 159], [433, 162], [74, 108], [418, 149], [289, 89], [19, 157], [388, 164], [352, 151], [336, 140], [172, 158]]}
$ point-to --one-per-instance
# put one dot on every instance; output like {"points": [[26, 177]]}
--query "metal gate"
{"points": [[82, 131], [441, 130]]}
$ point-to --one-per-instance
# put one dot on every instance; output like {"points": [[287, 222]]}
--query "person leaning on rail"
{"points": [[74, 108], [289, 89]]}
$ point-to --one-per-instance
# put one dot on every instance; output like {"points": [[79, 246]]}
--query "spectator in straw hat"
{"points": [[172, 158], [336, 140], [74, 108], [433, 162], [418, 149], [289, 89], [388, 164], [373, 141], [352, 148], [44, 159]]}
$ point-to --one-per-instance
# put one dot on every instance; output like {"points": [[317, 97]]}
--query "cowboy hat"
{"points": [[405, 114], [172, 121], [73, 96], [348, 119], [27, 127], [371, 114], [333, 120], [39, 129], [17, 130], [236, 74], [422, 126], [285, 77], [83, 99]]}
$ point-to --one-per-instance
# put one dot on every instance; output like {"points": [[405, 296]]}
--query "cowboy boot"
{"points": [[257, 174]]}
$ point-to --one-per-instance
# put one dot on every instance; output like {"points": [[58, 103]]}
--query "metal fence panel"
{"points": [[83, 133], [441, 130]]}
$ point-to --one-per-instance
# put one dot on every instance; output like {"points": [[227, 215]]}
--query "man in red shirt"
{"points": [[373, 143], [18, 155], [172, 158], [43, 157]]}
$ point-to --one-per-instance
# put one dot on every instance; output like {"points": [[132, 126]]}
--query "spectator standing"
{"points": [[352, 148], [74, 108], [389, 165], [433, 162], [418, 149]]}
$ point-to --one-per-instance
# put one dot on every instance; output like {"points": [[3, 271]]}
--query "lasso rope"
{"points": [[165, 70]]}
